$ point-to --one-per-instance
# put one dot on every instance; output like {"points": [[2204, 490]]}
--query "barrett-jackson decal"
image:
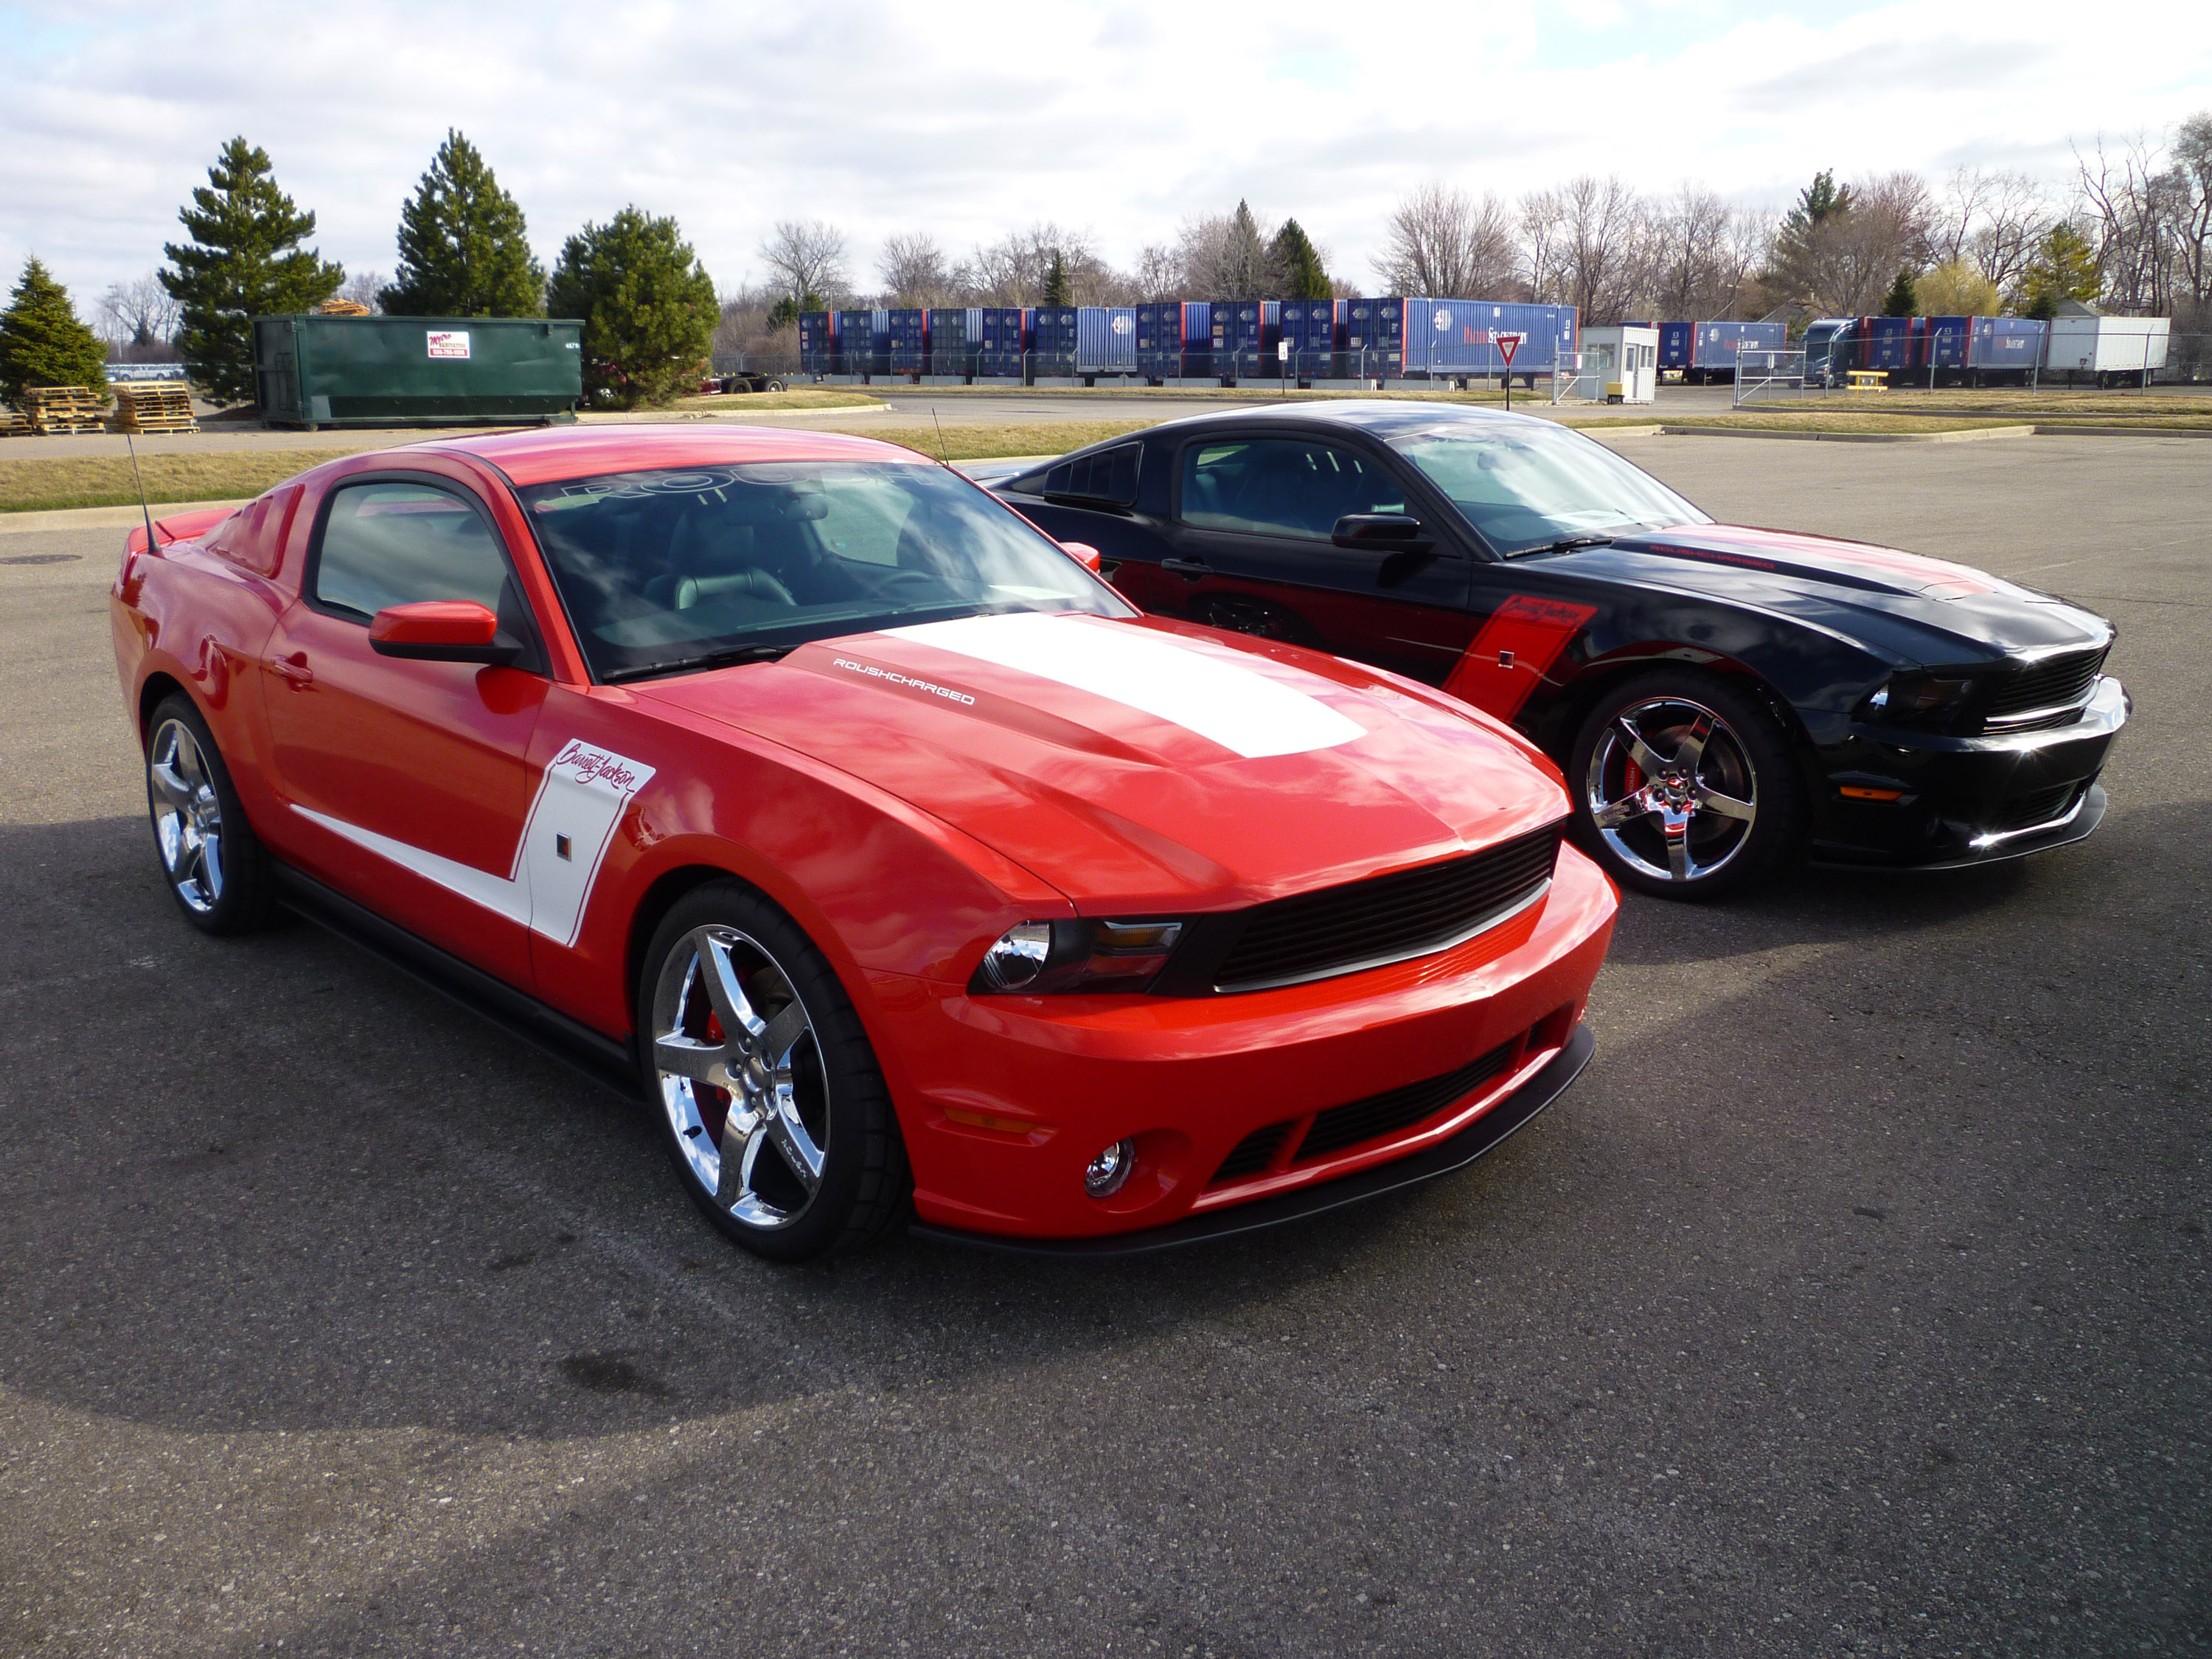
{"points": [[1522, 638], [580, 801]]}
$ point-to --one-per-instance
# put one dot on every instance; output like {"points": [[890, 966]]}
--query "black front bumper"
{"points": [[1965, 801], [1487, 1131]]}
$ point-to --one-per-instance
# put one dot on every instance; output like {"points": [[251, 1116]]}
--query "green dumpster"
{"points": [[316, 371]]}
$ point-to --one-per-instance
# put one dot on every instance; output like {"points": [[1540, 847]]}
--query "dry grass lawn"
{"points": [[740, 403], [221, 475]]}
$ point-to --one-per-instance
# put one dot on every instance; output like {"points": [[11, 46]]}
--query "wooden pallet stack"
{"points": [[13, 425], [59, 411], [154, 409]]}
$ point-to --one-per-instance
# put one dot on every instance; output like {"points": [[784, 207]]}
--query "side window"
{"points": [[1281, 487], [1108, 476], [388, 544]]}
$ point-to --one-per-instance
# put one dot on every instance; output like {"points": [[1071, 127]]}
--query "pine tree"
{"points": [[2065, 267], [1818, 200], [1055, 281], [1904, 297], [41, 341], [1298, 264], [462, 248], [647, 305], [244, 261]]}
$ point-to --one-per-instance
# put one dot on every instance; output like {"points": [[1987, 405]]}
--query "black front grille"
{"points": [[1386, 918], [1398, 1109], [2060, 683], [1252, 1155], [2024, 812]]}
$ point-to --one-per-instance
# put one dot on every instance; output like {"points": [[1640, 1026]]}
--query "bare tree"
{"points": [[1445, 243], [1602, 247], [1840, 262], [1543, 246], [1010, 272], [365, 288], [2130, 200], [913, 270], [1226, 255], [1159, 274], [806, 257], [138, 313], [2012, 216], [2192, 220]]}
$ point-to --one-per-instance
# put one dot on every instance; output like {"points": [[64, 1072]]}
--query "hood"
{"points": [[1976, 615], [1142, 765]]}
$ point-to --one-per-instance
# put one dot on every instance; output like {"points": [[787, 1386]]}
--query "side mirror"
{"points": [[440, 630], [1083, 554], [1378, 531]]}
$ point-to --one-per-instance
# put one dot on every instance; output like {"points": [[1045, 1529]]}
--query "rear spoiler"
{"points": [[180, 527]]}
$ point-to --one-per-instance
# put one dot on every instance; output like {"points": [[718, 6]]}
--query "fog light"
{"points": [[1109, 1169]]}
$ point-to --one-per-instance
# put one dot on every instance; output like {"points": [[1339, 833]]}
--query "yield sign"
{"points": [[1508, 345]]}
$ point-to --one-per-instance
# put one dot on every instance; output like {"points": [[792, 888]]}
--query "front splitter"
{"points": [[1487, 1132]]}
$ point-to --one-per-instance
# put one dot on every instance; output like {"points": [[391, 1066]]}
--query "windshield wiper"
{"points": [[722, 659], [1563, 544]]}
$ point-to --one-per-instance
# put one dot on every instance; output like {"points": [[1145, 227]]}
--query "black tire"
{"points": [[217, 871], [818, 1103], [774, 386], [1681, 832]]}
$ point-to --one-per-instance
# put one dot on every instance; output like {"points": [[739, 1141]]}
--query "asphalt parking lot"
{"points": [[1853, 1302]]}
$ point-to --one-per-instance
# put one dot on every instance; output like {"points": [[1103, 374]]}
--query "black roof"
{"points": [[1383, 417]]}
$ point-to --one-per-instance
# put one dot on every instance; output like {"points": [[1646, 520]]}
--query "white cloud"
{"points": [[968, 119]]}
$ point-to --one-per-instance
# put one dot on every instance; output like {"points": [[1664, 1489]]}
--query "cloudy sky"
{"points": [[966, 119]]}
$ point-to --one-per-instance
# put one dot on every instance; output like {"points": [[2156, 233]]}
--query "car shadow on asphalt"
{"points": [[271, 1182]]}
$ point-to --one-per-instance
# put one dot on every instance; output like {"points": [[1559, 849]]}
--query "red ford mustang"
{"points": [[792, 782]]}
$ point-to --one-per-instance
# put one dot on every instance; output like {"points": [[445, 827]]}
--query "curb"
{"points": [[2124, 432], [98, 518], [693, 417], [1972, 434]]}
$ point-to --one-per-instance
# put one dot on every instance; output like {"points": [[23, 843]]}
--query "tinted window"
{"points": [[1281, 487], [1525, 483], [393, 543], [660, 568], [1110, 475]]}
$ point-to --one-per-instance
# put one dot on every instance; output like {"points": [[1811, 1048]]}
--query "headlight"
{"points": [[1932, 701], [1040, 956]]}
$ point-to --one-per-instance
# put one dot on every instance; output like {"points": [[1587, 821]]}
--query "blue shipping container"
{"points": [[1052, 339], [1714, 345], [1947, 341], [2009, 343], [907, 332], [1245, 334], [1313, 330], [1674, 340], [1106, 339], [1886, 343], [815, 342], [955, 336], [1460, 336], [1004, 331], [863, 344], [1374, 336]]}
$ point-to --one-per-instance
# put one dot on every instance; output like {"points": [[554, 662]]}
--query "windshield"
{"points": [[662, 568], [1528, 485]]}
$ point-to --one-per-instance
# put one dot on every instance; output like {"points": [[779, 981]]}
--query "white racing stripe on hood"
{"points": [[1243, 711]]}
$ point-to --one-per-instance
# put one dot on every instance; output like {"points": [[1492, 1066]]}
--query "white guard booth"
{"points": [[1623, 362]]}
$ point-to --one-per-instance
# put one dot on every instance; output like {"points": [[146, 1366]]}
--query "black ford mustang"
{"points": [[1720, 698]]}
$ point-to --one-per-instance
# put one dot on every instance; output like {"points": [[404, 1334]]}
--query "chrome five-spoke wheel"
{"points": [[741, 1077], [187, 816], [1672, 789]]}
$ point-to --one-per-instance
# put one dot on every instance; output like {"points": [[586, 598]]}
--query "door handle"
{"points": [[1193, 567], [294, 670]]}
